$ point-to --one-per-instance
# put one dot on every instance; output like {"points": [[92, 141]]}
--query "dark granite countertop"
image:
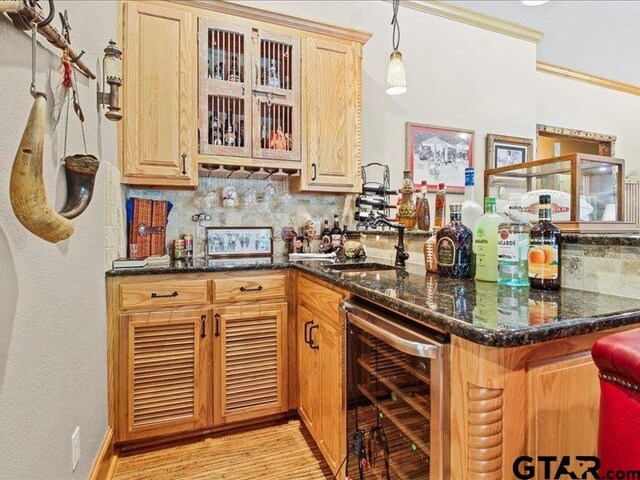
{"points": [[609, 239], [481, 312]]}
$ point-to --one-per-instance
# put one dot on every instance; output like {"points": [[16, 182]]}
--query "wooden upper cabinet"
{"points": [[164, 370], [159, 96], [250, 345], [332, 103], [249, 93]]}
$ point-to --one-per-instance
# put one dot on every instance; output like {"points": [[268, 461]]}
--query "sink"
{"points": [[360, 267]]}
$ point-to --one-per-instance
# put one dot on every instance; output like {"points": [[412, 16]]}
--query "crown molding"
{"points": [[476, 19], [587, 78], [282, 19]]}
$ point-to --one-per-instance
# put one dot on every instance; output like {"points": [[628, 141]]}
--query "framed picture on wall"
{"points": [[235, 242], [503, 150], [439, 154]]}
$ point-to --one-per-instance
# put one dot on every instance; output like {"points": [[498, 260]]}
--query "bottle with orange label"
{"points": [[544, 249]]}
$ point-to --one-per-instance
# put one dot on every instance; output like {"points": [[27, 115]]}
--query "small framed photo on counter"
{"points": [[438, 154], [503, 151], [239, 242]]}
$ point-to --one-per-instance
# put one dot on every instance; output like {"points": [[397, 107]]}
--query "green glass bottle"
{"points": [[485, 242]]}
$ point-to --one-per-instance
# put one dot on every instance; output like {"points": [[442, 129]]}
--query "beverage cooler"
{"points": [[397, 396]]}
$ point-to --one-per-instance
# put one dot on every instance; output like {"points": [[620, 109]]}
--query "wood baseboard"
{"points": [[105, 463]]}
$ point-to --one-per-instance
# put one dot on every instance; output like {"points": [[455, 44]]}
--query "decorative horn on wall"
{"points": [[27, 190], [28, 195]]}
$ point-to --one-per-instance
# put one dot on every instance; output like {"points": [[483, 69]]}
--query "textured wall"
{"points": [[52, 297]]}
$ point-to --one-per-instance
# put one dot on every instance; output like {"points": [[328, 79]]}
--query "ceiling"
{"points": [[597, 37]]}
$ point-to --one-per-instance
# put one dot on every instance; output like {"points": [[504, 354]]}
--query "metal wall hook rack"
{"points": [[24, 15]]}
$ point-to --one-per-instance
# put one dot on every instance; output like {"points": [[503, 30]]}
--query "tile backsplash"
{"points": [[114, 218], [286, 210]]}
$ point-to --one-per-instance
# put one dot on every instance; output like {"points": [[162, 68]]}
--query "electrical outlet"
{"points": [[75, 447]]}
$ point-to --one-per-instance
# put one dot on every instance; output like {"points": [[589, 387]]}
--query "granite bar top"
{"points": [[609, 239], [482, 312]]}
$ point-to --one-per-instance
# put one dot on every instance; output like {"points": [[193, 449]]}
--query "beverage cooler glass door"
{"points": [[397, 397]]}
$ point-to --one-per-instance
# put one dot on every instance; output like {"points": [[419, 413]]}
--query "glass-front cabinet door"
{"points": [[276, 92], [249, 102], [224, 110]]}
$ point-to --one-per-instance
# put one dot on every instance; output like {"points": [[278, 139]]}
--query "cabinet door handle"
{"points": [[259, 288], [311, 343], [315, 172], [306, 331], [217, 317], [157, 295], [184, 164], [203, 332]]}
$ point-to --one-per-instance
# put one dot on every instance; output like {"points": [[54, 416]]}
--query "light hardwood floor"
{"points": [[279, 452]]}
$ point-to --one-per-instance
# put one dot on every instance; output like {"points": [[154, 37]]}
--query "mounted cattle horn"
{"points": [[80, 172], [26, 188]]}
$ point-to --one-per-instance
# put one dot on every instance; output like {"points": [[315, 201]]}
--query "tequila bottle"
{"points": [[454, 246]]}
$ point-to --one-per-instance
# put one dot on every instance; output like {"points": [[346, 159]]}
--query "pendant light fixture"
{"points": [[396, 77]]}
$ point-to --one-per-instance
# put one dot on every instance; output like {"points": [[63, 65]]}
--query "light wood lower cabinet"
{"points": [[164, 374], [251, 360], [321, 370]]}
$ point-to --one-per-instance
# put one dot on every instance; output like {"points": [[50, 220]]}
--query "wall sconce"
{"points": [[112, 75]]}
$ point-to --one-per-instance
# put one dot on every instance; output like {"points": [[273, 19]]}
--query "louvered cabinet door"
{"points": [[250, 351], [164, 365]]}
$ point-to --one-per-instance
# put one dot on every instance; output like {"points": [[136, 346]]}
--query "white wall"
{"points": [[52, 297], [570, 37], [458, 76], [567, 103]]}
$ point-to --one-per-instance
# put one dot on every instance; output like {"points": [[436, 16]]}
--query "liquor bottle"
{"points": [[374, 203], [513, 249], [485, 242], [325, 242], [423, 215], [234, 72], [441, 206], [471, 210], [229, 132], [544, 249], [240, 136], [274, 78], [218, 71], [454, 246], [407, 209], [431, 253], [336, 233]]}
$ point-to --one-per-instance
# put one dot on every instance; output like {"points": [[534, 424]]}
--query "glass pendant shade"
{"points": [[396, 77]]}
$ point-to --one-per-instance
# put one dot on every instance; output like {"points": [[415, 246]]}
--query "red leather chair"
{"points": [[618, 359]]}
